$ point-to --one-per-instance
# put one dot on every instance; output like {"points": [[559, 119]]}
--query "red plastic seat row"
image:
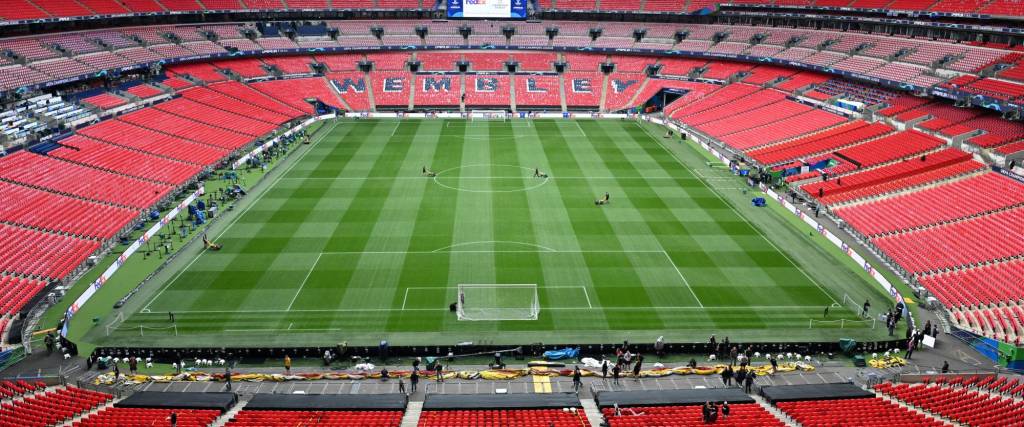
{"points": [[125, 134], [731, 108], [391, 88], [960, 199], [783, 128], [907, 167], [146, 417], [963, 243], [81, 181], [249, 95], [185, 128], [893, 147], [820, 143], [15, 292], [867, 412], [105, 101], [741, 414], [981, 286], [714, 99], [10, 388], [537, 91], [294, 93], [210, 97], [254, 418], [84, 150], [971, 407], [898, 182], [44, 210], [202, 113], [40, 254], [504, 417], [50, 407]]}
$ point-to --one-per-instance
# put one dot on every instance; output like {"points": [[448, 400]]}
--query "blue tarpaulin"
{"points": [[565, 353]]}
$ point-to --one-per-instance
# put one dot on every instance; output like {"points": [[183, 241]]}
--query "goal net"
{"points": [[488, 115], [498, 302]]}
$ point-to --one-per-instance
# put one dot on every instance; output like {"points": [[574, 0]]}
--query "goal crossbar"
{"points": [[497, 302]]}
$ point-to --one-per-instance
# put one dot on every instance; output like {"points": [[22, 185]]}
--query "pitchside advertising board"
{"points": [[507, 9]]}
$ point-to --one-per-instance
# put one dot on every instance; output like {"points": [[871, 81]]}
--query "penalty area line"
{"points": [[305, 279], [744, 218]]}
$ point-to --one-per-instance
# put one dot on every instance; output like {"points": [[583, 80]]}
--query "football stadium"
{"points": [[572, 213]]}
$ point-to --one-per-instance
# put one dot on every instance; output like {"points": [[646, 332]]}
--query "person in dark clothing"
{"points": [[414, 379], [725, 409], [170, 316], [741, 374], [577, 382], [615, 373], [705, 411], [713, 413], [712, 343], [604, 369], [748, 383], [133, 365], [945, 367], [867, 306], [692, 364], [775, 364], [174, 419], [727, 376], [910, 349], [636, 368], [117, 373]]}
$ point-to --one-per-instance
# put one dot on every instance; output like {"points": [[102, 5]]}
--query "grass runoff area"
{"points": [[349, 241]]}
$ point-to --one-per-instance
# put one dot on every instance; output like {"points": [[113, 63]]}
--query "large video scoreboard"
{"points": [[502, 9]]}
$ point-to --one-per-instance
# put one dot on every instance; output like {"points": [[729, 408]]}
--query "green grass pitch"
{"points": [[349, 242]]}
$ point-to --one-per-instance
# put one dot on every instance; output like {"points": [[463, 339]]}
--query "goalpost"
{"points": [[497, 302], [488, 115]]}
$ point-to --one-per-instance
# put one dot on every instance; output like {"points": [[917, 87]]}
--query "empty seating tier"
{"points": [[50, 407], [131, 136], [44, 210], [504, 417], [970, 407], [867, 412], [84, 150], [251, 418], [743, 414], [81, 181], [146, 417], [964, 198]]}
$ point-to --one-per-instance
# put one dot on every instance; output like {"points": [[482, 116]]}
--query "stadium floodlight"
{"points": [[493, 302]]}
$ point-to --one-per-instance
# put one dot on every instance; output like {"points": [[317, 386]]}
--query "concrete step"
{"points": [[412, 414], [592, 412], [227, 416], [774, 411]]}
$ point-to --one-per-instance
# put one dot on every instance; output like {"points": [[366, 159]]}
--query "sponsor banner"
{"points": [[135, 246], [879, 278]]}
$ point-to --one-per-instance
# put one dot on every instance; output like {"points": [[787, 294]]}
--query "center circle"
{"points": [[489, 178]]}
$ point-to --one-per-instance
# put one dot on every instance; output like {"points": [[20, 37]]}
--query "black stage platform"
{"points": [[789, 393], [671, 397], [500, 401], [328, 402], [179, 400]]}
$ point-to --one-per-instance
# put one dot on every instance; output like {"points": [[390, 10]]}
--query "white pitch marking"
{"points": [[587, 295], [243, 212], [375, 310], [544, 248], [309, 273], [681, 276], [719, 195]]}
